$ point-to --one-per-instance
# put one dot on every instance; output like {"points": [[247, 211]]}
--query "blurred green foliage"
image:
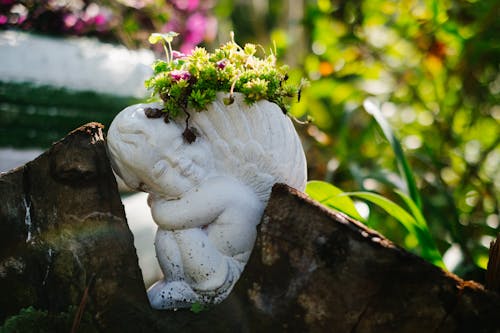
{"points": [[433, 66]]}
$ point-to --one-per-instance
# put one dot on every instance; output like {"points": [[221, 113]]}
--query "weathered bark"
{"points": [[63, 231], [317, 270]]}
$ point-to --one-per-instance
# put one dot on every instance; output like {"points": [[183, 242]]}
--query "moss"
{"points": [[41, 321]]}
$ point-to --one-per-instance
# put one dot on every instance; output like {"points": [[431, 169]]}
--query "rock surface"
{"points": [[63, 234]]}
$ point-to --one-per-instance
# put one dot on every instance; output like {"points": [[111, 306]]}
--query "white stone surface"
{"points": [[143, 228], [206, 197], [79, 64]]}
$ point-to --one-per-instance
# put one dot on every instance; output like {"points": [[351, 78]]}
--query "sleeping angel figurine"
{"points": [[208, 189]]}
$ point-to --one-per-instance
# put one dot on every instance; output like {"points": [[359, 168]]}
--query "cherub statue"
{"points": [[208, 196]]}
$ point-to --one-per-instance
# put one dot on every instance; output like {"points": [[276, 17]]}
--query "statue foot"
{"points": [[171, 295], [218, 294]]}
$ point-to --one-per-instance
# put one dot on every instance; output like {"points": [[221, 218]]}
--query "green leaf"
{"points": [[198, 307], [332, 197], [424, 236], [390, 207], [372, 108], [415, 225], [415, 211]]}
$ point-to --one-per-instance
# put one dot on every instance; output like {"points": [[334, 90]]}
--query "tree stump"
{"points": [[317, 270], [64, 242], [63, 233]]}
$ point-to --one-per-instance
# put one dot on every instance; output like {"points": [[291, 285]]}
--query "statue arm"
{"points": [[196, 208]]}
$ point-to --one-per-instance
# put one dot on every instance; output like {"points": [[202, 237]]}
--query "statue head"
{"points": [[152, 156]]}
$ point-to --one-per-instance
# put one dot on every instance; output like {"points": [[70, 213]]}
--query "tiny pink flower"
{"points": [[221, 64], [177, 55], [178, 75]]}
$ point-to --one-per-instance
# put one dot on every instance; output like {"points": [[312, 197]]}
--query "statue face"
{"points": [[152, 156]]}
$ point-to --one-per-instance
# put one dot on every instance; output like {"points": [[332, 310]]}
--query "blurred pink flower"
{"points": [[195, 25], [3, 19], [210, 28], [172, 25], [21, 19], [187, 48], [79, 27], [100, 19], [192, 31], [70, 20], [187, 5]]}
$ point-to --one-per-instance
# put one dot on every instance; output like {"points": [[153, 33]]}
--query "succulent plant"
{"points": [[191, 81]]}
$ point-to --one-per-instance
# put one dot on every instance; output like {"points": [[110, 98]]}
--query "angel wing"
{"points": [[257, 144]]}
